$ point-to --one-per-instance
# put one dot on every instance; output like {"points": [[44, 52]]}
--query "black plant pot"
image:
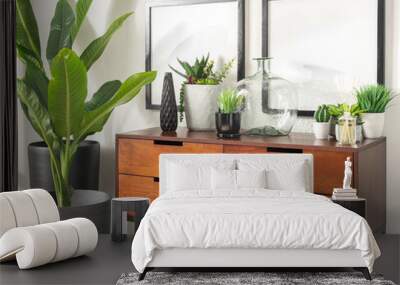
{"points": [[93, 205], [228, 125], [84, 172]]}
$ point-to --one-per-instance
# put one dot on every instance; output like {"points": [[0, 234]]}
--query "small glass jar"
{"points": [[347, 125]]}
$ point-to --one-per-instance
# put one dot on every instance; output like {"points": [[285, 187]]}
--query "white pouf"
{"points": [[31, 232]]}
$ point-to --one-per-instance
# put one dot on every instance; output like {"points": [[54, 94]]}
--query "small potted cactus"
{"points": [[321, 124], [227, 119]]}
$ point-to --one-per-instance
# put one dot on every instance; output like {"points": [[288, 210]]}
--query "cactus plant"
{"points": [[322, 114]]}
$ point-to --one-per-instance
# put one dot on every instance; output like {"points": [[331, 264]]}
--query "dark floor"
{"points": [[110, 260]]}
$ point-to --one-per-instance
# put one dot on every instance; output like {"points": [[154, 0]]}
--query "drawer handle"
{"points": [[156, 179], [173, 143], [284, 150]]}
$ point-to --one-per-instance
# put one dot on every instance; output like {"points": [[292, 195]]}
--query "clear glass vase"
{"points": [[271, 102], [347, 132]]}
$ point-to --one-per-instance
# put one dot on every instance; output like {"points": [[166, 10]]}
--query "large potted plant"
{"points": [[374, 100], [56, 104], [199, 92], [227, 119]]}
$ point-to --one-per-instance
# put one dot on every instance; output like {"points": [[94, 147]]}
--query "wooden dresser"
{"points": [[137, 162]]}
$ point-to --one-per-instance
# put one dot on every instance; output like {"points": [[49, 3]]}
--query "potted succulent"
{"points": [[56, 103], [199, 91], [227, 119], [321, 124], [373, 99]]}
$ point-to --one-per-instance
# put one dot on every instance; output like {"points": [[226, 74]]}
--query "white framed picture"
{"points": [[189, 29], [325, 47]]}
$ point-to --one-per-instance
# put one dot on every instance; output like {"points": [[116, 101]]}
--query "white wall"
{"points": [[125, 55], [392, 126]]}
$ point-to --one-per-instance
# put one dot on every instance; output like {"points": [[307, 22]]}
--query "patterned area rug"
{"points": [[244, 278]]}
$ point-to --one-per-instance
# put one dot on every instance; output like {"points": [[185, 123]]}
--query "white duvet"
{"points": [[250, 219]]}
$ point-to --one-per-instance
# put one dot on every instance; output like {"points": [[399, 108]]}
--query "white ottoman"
{"points": [[31, 232]]}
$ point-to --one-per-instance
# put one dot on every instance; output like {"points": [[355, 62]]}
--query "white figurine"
{"points": [[348, 173]]}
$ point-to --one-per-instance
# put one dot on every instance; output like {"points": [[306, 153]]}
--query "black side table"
{"points": [[135, 205], [357, 206]]}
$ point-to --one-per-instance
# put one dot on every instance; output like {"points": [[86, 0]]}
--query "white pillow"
{"points": [[186, 175], [223, 179], [293, 178], [182, 178], [227, 179], [281, 174], [251, 178]]}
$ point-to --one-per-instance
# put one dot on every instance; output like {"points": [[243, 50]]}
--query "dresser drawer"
{"points": [[140, 157], [137, 186], [244, 149]]}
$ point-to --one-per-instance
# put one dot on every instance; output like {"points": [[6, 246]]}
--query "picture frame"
{"points": [[270, 45], [157, 11]]}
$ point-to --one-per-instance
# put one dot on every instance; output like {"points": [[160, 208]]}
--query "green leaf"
{"points": [[37, 80], [37, 115], [97, 47], [67, 93], [27, 34], [128, 90], [105, 93], [177, 71], [60, 29], [81, 10], [27, 56]]}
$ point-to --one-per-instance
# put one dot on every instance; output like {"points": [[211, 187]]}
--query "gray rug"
{"points": [[244, 278]]}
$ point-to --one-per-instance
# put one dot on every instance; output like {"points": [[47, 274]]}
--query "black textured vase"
{"points": [[169, 110]]}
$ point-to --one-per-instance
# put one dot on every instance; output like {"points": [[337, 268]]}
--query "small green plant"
{"points": [[229, 101], [322, 114], [200, 73], [336, 111], [373, 98]]}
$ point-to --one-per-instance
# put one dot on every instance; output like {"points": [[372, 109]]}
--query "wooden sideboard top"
{"points": [[294, 140]]}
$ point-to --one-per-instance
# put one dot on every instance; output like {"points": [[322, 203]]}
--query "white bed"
{"points": [[201, 219]]}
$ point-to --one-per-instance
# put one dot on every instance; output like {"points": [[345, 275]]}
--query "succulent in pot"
{"points": [[199, 91], [321, 125], [373, 99], [227, 119]]}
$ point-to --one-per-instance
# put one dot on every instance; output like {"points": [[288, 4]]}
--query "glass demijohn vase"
{"points": [[347, 129], [271, 102]]}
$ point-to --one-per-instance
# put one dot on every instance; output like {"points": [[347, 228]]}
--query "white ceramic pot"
{"points": [[200, 106], [373, 124], [321, 130]]}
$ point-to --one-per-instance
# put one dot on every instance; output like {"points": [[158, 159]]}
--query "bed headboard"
{"points": [[211, 159]]}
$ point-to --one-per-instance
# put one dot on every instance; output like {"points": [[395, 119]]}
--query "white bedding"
{"points": [[251, 218]]}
